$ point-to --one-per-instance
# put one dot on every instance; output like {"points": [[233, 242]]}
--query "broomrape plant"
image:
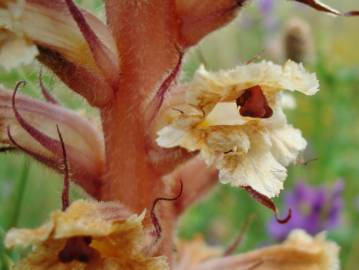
{"points": [[163, 144]]}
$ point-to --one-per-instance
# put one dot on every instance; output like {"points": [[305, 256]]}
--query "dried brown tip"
{"points": [[66, 190], [317, 5], [154, 218], [286, 219], [351, 13], [267, 202]]}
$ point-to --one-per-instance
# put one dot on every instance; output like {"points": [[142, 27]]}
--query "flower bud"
{"points": [[298, 41]]}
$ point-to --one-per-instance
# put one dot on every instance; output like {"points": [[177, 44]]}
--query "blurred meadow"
{"points": [[329, 121]]}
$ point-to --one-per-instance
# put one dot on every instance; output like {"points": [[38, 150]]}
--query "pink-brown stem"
{"points": [[149, 36]]}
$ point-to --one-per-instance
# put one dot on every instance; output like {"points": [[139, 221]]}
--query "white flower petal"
{"points": [[170, 136], [15, 52], [257, 169], [295, 77], [225, 139], [287, 143], [287, 101], [222, 140], [223, 114], [212, 87]]}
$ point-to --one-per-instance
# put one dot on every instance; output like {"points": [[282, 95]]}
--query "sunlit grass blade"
{"points": [[19, 194]]}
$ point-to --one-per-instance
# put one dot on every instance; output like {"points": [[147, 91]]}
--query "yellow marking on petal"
{"points": [[223, 114]]}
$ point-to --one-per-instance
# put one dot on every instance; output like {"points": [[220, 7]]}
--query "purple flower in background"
{"points": [[266, 6], [266, 13], [314, 209]]}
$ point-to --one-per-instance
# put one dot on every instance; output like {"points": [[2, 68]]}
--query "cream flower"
{"points": [[325, 252], [299, 252], [15, 49], [235, 119], [88, 235]]}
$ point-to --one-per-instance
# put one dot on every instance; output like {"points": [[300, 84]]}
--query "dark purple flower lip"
{"points": [[253, 103]]}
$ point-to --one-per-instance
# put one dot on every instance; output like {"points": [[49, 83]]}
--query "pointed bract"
{"points": [[49, 29], [83, 142]]}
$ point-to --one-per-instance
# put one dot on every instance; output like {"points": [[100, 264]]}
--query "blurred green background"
{"points": [[329, 121]]}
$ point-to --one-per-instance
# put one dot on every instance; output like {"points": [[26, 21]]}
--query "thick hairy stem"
{"points": [[150, 37], [147, 46], [130, 177]]}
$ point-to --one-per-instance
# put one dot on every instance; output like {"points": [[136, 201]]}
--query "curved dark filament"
{"points": [[45, 92], [238, 240], [154, 218], [46, 141], [65, 192], [286, 219], [164, 87], [307, 162], [267, 202], [40, 158], [76, 248]]}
